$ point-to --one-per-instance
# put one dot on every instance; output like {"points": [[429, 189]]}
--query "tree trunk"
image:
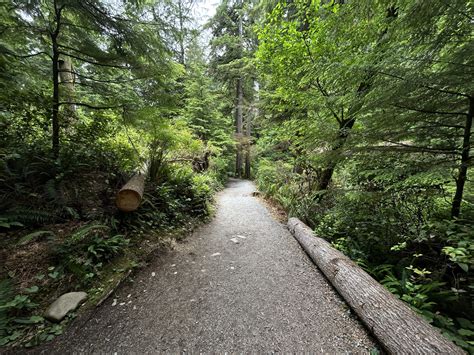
{"points": [[248, 136], [396, 326], [66, 80], [55, 116], [55, 103], [181, 32], [462, 175], [66, 74], [239, 129], [326, 175], [240, 100], [130, 195]]}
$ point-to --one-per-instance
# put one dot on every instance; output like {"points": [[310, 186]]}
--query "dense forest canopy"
{"points": [[355, 116]]}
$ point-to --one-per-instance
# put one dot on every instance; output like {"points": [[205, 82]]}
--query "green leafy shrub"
{"points": [[392, 223], [85, 252], [180, 195], [14, 311]]}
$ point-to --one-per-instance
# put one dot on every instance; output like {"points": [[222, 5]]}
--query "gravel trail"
{"points": [[238, 284]]}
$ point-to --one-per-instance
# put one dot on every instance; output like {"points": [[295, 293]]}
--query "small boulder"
{"points": [[64, 304]]}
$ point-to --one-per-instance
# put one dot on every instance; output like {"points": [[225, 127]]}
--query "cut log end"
{"points": [[128, 200], [130, 195]]}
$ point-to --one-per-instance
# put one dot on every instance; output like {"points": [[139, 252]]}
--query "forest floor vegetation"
{"points": [[46, 255]]}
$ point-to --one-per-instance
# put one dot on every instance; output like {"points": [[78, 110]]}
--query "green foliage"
{"points": [[122, 105], [12, 311], [394, 229], [17, 318], [86, 251], [423, 294], [33, 236], [366, 136], [179, 195]]}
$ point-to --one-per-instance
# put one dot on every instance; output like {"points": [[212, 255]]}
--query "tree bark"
{"points": [[397, 327], [66, 74], [181, 32], [55, 62], [462, 175], [240, 100], [130, 195], [66, 81], [327, 173], [239, 129], [248, 136]]}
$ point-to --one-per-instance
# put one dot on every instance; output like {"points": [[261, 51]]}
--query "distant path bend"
{"points": [[211, 294]]}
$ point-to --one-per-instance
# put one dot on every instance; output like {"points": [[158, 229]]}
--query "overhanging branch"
{"points": [[91, 106], [94, 62]]}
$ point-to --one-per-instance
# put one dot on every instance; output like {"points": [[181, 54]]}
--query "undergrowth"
{"points": [[398, 231], [72, 246]]}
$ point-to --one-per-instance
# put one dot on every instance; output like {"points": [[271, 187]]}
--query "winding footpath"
{"points": [[239, 284]]}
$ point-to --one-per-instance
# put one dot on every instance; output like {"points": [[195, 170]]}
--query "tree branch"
{"points": [[111, 81], [91, 106], [414, 148], [27, 55], [431, 111], [427, 86], [96, 63]]}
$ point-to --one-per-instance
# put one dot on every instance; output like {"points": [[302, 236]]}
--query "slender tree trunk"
{"points": [[55, 63], [55, 117], [462, 175], [66, 74], [181, 32], [248, 135], [239, 129], [326, 175], [240, 101]]}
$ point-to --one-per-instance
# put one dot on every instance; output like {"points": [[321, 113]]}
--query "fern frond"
{"points": [[30, 216]]}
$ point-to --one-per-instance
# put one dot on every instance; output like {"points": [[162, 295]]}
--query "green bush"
{"points": [[14, 311], [393, 224], [85, 251]]}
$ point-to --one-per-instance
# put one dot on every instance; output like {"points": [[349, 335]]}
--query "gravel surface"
{"points": [[239, 284]]}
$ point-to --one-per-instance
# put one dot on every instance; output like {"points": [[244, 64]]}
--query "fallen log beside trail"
{"points": [[396, 326], [130, 195]]}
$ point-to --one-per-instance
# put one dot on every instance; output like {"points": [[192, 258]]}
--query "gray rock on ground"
{"points": [[64, 304]]}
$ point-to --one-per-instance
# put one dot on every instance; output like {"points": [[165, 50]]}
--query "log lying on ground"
{"points": [[397, 327], [130, 195]]}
